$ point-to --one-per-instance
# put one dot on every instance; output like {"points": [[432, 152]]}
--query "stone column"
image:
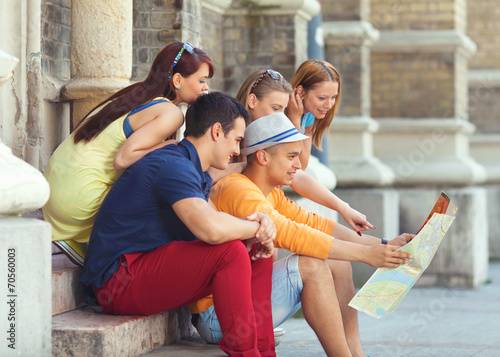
{"points": [[348, 49], [348, 38], [213, 15], [484, 106], [419, 96], [25, 262], [101, 53]]}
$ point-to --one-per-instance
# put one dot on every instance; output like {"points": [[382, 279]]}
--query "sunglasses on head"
{"points": [[273, 74], [186, 46]]}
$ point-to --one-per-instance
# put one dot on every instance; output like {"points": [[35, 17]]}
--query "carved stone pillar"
{"points": [[101, 53], [25, 251], [419, 96]]}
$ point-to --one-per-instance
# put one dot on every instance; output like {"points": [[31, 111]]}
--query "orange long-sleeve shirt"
{"points": [[297, 230]]}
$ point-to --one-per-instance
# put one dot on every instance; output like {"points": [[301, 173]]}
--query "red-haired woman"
{"points": [[118, 132]]}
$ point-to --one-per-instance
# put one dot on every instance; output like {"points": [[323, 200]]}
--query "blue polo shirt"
{"points": [[137, 216]]}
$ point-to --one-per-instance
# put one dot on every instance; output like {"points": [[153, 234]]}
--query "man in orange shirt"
{"points": [[318, 277]]}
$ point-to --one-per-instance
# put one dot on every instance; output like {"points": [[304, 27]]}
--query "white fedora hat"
{"points": [[268, 131]]}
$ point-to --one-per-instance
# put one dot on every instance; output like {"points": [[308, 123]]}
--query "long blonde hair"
{"points": [[308, 75], [264, 87]]}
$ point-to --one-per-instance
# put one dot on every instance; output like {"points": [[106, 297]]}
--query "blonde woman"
{"points": [[265, 92], [315, 101]]}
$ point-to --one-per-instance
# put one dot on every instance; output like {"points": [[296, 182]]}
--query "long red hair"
{"points": [[156, 84]]}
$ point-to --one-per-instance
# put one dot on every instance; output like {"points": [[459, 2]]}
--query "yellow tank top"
{"points": [[80, 175]]}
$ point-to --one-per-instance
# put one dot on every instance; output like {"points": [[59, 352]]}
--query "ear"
{"points": [[176, 80], [301, 91], [216, 131], [252, 100], [263, 157]]}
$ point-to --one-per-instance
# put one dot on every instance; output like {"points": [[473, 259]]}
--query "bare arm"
{"points": [[307, 186], [367, 249], [236, 167], [294, 112], [215, 227], [155, 124]]}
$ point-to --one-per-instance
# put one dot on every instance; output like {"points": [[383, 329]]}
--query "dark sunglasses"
{"points": [[273, 74], [186, 46]]}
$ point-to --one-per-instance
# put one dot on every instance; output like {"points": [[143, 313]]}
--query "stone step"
{"points": [[65, 291], [84, 332], [191, 347]]}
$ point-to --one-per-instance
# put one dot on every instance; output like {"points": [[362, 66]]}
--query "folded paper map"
{"points": [[387, 287]]}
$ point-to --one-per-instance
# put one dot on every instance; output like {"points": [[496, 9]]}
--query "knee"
{"points": [[340, 269], [234, 251], [312, 267]]}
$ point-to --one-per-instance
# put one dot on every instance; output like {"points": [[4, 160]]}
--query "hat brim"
{"points": [[250, 150]]}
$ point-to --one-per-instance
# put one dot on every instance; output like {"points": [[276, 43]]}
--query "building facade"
{"points": [[419, 111]]}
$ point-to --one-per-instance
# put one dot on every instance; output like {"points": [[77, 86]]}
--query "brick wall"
{"points": [[255, 42], [484, 108], [347, 60], [343, 10], [484, 95], [56, 38], [156, 24], [415, 15], [412, 85], [484, 29], [211, 42]]}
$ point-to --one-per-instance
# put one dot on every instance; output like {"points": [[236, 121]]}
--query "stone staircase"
{"points": [[77, 330]]}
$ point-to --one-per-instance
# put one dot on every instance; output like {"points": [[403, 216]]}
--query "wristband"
{"points": [[384, 241]]}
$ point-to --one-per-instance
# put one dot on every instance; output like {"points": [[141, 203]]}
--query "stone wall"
{"points": [[416, 15], [412, 85], [252, 42], [484, 76], [344, 10], [483, 27], [56, 38], [211, 35], [157, 23]]}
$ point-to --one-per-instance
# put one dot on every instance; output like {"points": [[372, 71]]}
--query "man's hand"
{"points": [[267, 231], [402, 239], [263, 251], [384, 255]]}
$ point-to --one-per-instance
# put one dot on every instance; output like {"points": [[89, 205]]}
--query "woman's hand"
{"points": [[295, 109], [356, 220]]}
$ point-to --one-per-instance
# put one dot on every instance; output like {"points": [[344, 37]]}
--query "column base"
{"points": [[428, 152], [485, 148], [462, 258], [493, 198], [86, 93], [26, 313], [381, 207], [351, 154]]}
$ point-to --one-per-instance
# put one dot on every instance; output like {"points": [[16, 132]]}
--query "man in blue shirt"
{"points": [[158, 243]]}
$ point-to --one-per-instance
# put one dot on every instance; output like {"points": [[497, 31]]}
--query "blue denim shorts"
{"points": [[285, 298]]}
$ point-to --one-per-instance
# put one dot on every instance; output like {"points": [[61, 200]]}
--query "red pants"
{"points": [[180, 272]]}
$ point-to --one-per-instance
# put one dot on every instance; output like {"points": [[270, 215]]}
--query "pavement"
{"points": [[429, 322]]}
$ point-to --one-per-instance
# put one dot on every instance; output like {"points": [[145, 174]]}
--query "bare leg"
{"points": [[321, 306], [342, 277]]}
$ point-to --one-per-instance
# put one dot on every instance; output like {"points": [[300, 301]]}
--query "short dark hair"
{"points": [[215, 107]]}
